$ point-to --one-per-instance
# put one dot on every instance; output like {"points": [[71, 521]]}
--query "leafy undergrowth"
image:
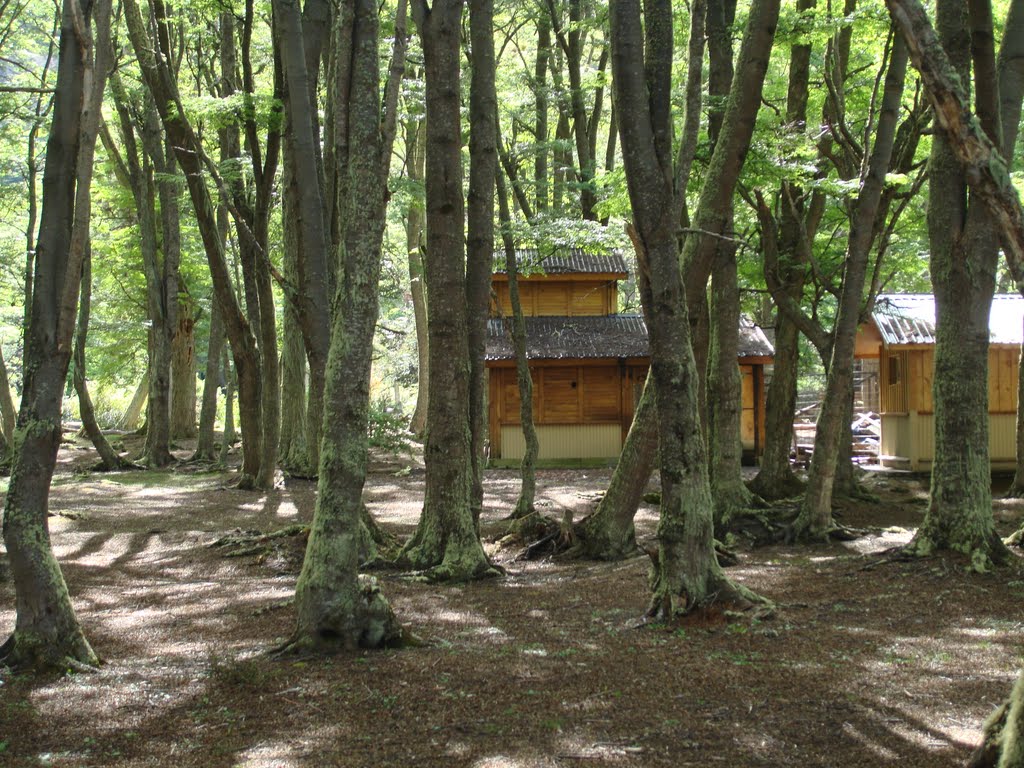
{"points": [[866, 664]]}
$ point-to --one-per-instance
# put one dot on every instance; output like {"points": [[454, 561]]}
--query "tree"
{"points": [[308, 198], [445, 543], [483, 166], [815, 520], [333, 609], [162, 84], [47, 633], [517, 329], [687, 574], [971, 203], [109, 458]]}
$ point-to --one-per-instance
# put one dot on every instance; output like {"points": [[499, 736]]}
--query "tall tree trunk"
{"points": [[162, 84], [333, 610], [686, 574], [230, 434], [302, 146], [517, 328], [815, 519], [712, 215], [964, 225], [775, 478], [109, 459], [415, 152], [294, 384], [205, 448], [725, 393], [46, 632], [183, 372], [540, 84], [483, 166], [446, 540]]}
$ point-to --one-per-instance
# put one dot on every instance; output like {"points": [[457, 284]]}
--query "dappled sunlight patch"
{"points": [[274, 755], [576, 747]]}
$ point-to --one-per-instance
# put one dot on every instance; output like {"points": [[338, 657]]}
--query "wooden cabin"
{"points": [[588, 362], [901, 335]]}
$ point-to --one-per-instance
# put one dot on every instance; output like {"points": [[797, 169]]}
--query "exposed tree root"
{"points": [[1015, 539], [983, 555], [776, 489], [123, 465], [447, 572], [1002, 744], [371, 625], [21, 652], [724, 595]]}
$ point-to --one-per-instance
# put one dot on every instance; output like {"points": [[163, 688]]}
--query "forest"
{"points": [[511, 383]]}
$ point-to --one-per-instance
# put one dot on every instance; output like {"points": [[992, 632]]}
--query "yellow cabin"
{"points": [[901, 336], [588, 362]]}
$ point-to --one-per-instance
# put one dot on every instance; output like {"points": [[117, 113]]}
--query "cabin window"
{"points": [[895, 372]]}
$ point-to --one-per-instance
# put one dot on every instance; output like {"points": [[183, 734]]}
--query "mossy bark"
{"points": [[725, 394], [445, 544], [46, 631], [1002, 744], [686, 573], [964, 242], [334, 609]]}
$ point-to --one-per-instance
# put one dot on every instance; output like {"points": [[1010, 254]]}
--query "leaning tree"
{"points": [[46, 632], [687, 573]]}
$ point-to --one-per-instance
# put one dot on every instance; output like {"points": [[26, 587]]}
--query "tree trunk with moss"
{"points": [[964, 238], [725, 394], [687, 573], [334, 610], [1002, 744], [46, 631], [446, 544]]}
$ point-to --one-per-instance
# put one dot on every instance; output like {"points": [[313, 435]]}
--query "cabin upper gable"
{"points": [[571, 283]]}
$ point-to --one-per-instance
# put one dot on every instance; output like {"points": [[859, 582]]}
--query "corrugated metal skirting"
{"points": [[570, 441]]}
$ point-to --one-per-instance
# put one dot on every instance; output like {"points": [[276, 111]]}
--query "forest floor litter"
{"points": [[867, 662]]}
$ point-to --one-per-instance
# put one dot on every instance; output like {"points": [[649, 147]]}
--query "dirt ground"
{"points": [[865, 664]]}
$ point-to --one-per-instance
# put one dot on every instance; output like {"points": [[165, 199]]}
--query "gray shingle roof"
{"points": [[568, 261], [909, 318], [579, 338], [753, 341]]}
